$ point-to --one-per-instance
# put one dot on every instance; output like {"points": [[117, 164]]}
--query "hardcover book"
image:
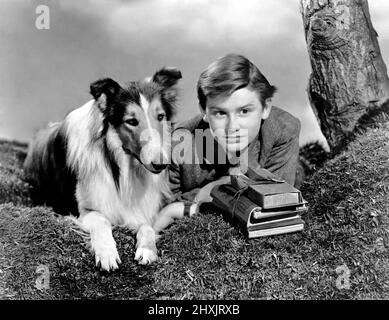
{"points": [[267, 191], [274, 231], [277, 223]]}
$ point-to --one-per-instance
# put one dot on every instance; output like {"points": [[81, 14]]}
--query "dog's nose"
{"points": [[159, 167]]}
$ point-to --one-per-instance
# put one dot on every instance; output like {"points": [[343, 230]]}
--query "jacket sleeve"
{"points": [[175, 185], [282, 160], [176, 175]]}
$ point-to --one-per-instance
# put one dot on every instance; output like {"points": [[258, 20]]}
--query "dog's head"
{"points": [[140, 113]]}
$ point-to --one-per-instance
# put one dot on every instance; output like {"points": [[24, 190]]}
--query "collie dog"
{"points": [[105, 162]]}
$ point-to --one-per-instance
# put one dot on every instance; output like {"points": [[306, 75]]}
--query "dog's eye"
{"points": [[132, 122], [161, 117]]}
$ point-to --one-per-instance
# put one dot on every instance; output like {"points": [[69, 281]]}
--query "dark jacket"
{"points": [[276, 149]]}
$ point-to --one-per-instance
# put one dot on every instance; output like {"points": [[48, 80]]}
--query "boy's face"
{"points": [[235, 120]]}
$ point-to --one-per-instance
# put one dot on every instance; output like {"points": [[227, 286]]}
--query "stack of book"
{"points": [[260, 207]]}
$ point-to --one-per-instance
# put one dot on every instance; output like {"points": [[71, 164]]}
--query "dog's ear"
{"points": [[167, 77], [103, 91]]}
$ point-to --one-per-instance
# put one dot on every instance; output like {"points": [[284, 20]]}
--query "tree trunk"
{"points": [[349, 76]]}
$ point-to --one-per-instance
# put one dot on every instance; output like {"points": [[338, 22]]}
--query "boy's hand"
{"points": [[168, 214], [204, 194]]}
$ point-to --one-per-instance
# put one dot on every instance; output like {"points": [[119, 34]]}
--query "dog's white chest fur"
{"points": [[135, 202]]}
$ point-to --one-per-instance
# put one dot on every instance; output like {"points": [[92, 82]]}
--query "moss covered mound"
{"points": [[341, 254]]}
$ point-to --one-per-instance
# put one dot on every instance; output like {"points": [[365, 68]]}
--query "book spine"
{"points": [[226, 212], [270, 232], [227, 215], [256, 221], [244, 208], [277, 223], [239, 209]]}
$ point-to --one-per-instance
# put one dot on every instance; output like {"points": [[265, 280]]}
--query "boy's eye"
{"points": [[132, 122], [219, 113], [244, 111], [160, 117]]}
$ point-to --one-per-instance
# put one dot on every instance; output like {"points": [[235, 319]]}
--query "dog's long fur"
{"points": [[93, 163]]}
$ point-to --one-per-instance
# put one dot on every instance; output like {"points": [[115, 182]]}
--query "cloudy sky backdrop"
{"points": [[46, 73]]}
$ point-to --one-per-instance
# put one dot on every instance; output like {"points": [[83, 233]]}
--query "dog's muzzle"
{"points": [[155, 168]]}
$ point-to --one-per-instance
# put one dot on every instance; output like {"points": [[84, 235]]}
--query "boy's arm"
{"points": [[181, 143], [283, 157], [175, 185], [195, 195], [176, 210]]}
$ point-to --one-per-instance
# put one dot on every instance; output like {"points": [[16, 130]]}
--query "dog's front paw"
{"points": [[107, 256], [146, 255]]}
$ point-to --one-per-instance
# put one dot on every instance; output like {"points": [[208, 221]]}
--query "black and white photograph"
{"points": [[213, 151]]}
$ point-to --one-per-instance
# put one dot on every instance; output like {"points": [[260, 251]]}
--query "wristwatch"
{"points": [[188, 205]]}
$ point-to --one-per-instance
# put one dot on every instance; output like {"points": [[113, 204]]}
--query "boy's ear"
{"points": [[167, 77], [266, 109], [103, 91]]}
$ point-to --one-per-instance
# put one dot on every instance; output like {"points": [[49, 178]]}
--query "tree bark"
{"points": [[349, 76]]}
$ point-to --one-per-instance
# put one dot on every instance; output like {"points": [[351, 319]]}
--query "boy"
{"points": [[234, 100]]}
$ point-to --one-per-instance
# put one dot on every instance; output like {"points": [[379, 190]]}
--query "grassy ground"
{"points": [[204, 257]]}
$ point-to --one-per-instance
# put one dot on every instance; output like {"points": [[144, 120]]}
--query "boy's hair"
{"points": [[230, 73]]}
